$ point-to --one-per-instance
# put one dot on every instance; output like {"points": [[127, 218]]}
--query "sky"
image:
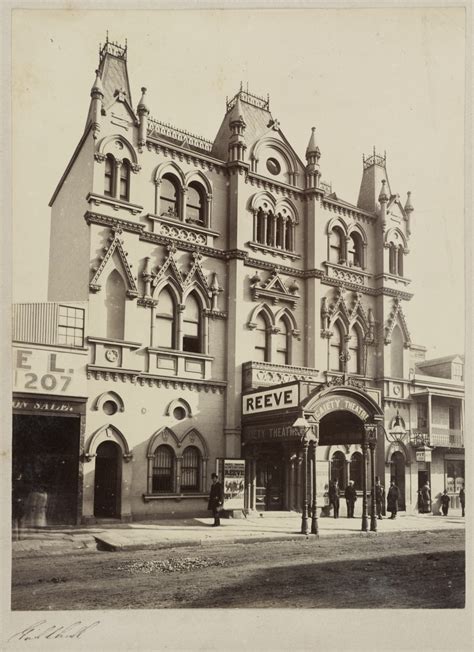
{"points": [[389, 78]]}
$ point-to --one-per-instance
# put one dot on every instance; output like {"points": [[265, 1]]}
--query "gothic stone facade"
{"points": [[213, 268]]}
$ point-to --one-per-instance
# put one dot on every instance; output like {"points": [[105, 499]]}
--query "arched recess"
{"points": [[261, 308], [344, 449], [109, 396], [271, 142], [396, 352], [107, 433], [197, 175], [396, 447], [286, 207], [172, 285], [336, 221], [357, 249], [172, 168], [115, 145], [194, 438], [262, 200], [115, 288], [162, 436], [394, 235], [355, 345], [310, 403], [178, 403], [285, 313]]}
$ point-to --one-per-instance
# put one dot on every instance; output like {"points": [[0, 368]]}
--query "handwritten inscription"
{"points": [[43, 630]]}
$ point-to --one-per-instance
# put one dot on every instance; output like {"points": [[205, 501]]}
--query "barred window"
{"points": [[163, 470], [190, 469], [71, 326]]}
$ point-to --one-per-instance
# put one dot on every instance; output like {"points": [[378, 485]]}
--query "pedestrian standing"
{"points": [[333, 494], [379, 498], [351, 497], [462, 500], [392, 499], [216, 499], [445, 501], [424, 499]]}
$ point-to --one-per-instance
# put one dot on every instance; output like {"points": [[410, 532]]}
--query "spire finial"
{"points": [[312, 148], [383, 197], [408, 205]]}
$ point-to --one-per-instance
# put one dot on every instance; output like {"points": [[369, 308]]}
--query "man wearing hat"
{"points": [[379, 498], [216, 499]]}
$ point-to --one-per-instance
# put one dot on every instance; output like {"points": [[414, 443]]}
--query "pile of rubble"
{"points": [[171, 565]]}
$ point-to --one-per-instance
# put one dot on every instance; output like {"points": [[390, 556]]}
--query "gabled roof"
{"points": [[436, 361]]}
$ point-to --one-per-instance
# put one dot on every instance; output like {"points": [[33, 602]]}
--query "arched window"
{"points": [[125, 180], [109, 175], [115, 306], [396, 353], [261, 226], [400, 261], [338, 466], [190, 468], [392, 261], [262, 339], [336, 245], [169, 196], [270, 230], [163, 470], [195, 206], [280, 232], [192, 326], [354, 364], [336, 348], [166, 321], [283, 343], [355, 252], [289, 245], [355, 471]]}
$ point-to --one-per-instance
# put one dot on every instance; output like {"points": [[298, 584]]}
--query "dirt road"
{"points": [[400, 570]]}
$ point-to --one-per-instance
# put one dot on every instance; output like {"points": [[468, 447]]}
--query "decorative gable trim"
{"points": [[397, 315], [274, 289], [339, 309], [116, 244]]}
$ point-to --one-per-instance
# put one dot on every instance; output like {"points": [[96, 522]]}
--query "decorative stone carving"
{"points": [[397, 315], [115, 244], [274, 289]]}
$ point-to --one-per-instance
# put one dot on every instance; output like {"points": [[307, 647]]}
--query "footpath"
{"points": [[267, 527]]}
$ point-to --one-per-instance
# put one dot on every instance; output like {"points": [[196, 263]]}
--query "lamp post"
{"points": [[371, 432], [314, 506], [364, 481], [305, 430]]}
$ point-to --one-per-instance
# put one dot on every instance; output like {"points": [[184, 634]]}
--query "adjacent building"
{"points": [[218, 299]]}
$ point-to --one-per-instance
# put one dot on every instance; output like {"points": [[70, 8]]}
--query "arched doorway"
{"points": [[397, 475], [108, 479]]}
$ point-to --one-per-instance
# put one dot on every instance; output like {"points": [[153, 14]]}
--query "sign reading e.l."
{"points": [[281, 397], [40, 370]]}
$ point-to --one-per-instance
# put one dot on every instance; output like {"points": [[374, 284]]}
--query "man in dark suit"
{"points": [[333, 495], [350, 496], [379, 498], [216, 499]]}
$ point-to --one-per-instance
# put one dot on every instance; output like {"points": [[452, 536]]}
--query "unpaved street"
{"points": [[398, 570]]}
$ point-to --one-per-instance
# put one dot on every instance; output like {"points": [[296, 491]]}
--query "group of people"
{"points": [[350, 495]]}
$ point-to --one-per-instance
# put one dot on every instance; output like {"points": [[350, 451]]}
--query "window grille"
{"points": [[163, 470], [190, 469]]}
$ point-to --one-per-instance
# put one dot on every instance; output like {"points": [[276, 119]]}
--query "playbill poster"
{"points": [[217, 201]]}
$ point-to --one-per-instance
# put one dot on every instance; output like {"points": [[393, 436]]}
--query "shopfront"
{"points": [[47, 435], [296, 438]]}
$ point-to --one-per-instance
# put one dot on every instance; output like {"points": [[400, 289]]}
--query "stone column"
{"points": [[364, 482], [304, 502]]}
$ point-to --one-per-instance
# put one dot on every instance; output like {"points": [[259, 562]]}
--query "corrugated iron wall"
{"points": [[35, 322]]}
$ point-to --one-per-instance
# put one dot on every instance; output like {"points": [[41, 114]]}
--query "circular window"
{"points": [[110, 407], [179, 413], [273, 166]]}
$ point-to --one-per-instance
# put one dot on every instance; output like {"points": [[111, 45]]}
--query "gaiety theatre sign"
{"points": [[338, 403]]}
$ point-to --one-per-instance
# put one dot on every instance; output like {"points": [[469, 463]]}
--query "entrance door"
{"points": [[108, 468], [269, 485], [397, 475]]}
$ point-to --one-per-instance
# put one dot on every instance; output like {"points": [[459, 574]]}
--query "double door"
{"points": [[269, 485]]}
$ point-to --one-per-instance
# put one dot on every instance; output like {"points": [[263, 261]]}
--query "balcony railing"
{"points": [[439, 437], [260, 374]]}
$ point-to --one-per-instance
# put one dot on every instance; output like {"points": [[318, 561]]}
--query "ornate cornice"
{"points": [[189, 156], [206, 386], [107, 220], [273, 251], [349, 211], [116, 204], [274, 289], [274, 186]]}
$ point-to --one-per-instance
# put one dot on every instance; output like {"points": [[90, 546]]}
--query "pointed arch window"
{"points": [[262, 339], [400, 260], [125, 180], [280, 232], [166, 320], [192, 335], [355, 252], [195, 206], [115, 305], [169, 196], [336, 245], [163, 470], [354, 364], [289, 231], [261, 226], [270, 229], [109, 176], [283, 352], [336, 348], [190, 469]]}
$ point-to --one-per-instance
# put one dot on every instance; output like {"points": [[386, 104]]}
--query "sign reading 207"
{"points": [[56, 378]]}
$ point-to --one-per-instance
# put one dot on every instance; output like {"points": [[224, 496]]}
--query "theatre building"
{"points": [[237, 306]]}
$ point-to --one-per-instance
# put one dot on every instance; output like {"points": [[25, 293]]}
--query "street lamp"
{"points": [[309, 434], [371, 433]]}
